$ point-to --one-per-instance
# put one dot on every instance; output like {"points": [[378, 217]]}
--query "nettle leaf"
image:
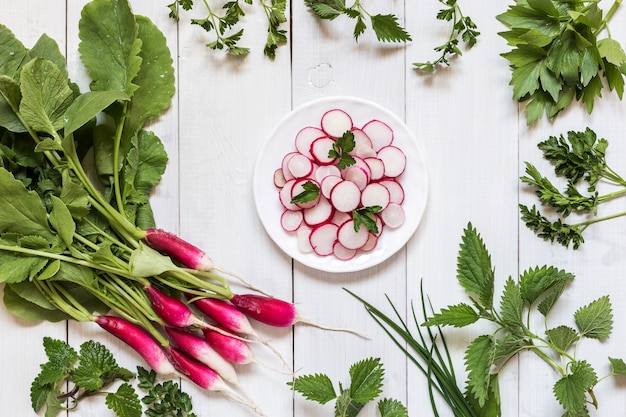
{"points": [[392, 408], [22, 210], [109, 25], [95, 362], [511, 304], [535, 282], [479, 358], [45, 96], [618, 367], [366, 380], [387, 28], [318, 388], [491, 406], [124, 402], [571, 389], [155, 79], [326, 9], [459, 315], [474, 270], [562, 337], [595, 320]]}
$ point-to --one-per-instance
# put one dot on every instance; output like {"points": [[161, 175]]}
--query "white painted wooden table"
{"points": [[476, 141]]}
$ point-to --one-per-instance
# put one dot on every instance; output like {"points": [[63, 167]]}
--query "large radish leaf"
{"points": [[12, 53], [10, 97]]}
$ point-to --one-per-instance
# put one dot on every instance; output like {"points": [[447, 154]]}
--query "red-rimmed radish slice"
{"points": [[345, 196], [320, 213], [298, 187], [324, 171], [394, 160], [340, 218], [279, 178], [302, 237], [357, 175], [285, 165], [377, 168], [319, 150], [396, 192], [336, 122], [379, 133], [300, 166], [291, 220], [393, 216], [342, 253], [323, 238], [328, 183], [285, 196], [350, 238], [372, 241], [362, 144], [305, 137], [375, 194]]}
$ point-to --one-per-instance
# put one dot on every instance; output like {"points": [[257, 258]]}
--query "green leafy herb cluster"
{"points": [[579, 157], [224, 25], [91, 371], [558, 56], [463, 29], [71, 244], [341, 150], [385, 26], [537, 291], [366, 381]]}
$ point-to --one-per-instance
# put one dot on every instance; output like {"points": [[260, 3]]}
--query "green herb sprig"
{"points": [[557, 55], [341, 150], [366, 216], [366, 381], [580, 159], [385, 26], [310, 192], [226, 28], [163, 399], [537, 291], [462, 29]]}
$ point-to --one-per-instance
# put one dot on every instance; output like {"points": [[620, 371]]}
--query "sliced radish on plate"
{"points": [[396, 192], [291, 220], [285, 195], [350, 238], [336, 122], [377, 168], [393, 216], [328, 183], [300, 166], [302, 235], [320, 213], [323, 238], [279, 178], [372, 241], [375, 194], [379, 133], [320, 148], [305, 137], [345, 196], [357, 175], [342, 253], [394, 160]]}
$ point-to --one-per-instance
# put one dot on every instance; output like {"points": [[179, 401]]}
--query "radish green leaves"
{"points": [[558, 55], [537, 291]]}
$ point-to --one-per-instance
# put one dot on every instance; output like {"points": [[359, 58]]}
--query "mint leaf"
{"points": [[124, 402], [310, 193], [595, 320], [316, 388], [474, 270], [459, 315], [366, 380], [96, 361]]}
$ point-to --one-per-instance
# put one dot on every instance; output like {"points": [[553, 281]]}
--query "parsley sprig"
{"points": [[226, 26], [366, 216], [310, 192], [580, 159], [537, 291], [463, 29], [341, 150], [558, 55], [366, 381], [386, 26]]}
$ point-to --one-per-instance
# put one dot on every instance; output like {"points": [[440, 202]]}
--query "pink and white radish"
{"points": [[345, 196], [336, 122], [394, 160], [179, 249], [300, 166], [199, 349], [138, 339], [320, 149], [351, 238], [375, 194], [328, 183], [291, 220], [231, 348], [342, 253], [376, 166], [323, 238], [393, 216], [396, 191], [379, 132], [318, 214], [285, 195], [305, 137]]}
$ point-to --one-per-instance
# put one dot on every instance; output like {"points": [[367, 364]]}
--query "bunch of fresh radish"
{"points": [[341, 187]]}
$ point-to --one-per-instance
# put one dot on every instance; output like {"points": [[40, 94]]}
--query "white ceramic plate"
{"points": [[281, 141]]}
